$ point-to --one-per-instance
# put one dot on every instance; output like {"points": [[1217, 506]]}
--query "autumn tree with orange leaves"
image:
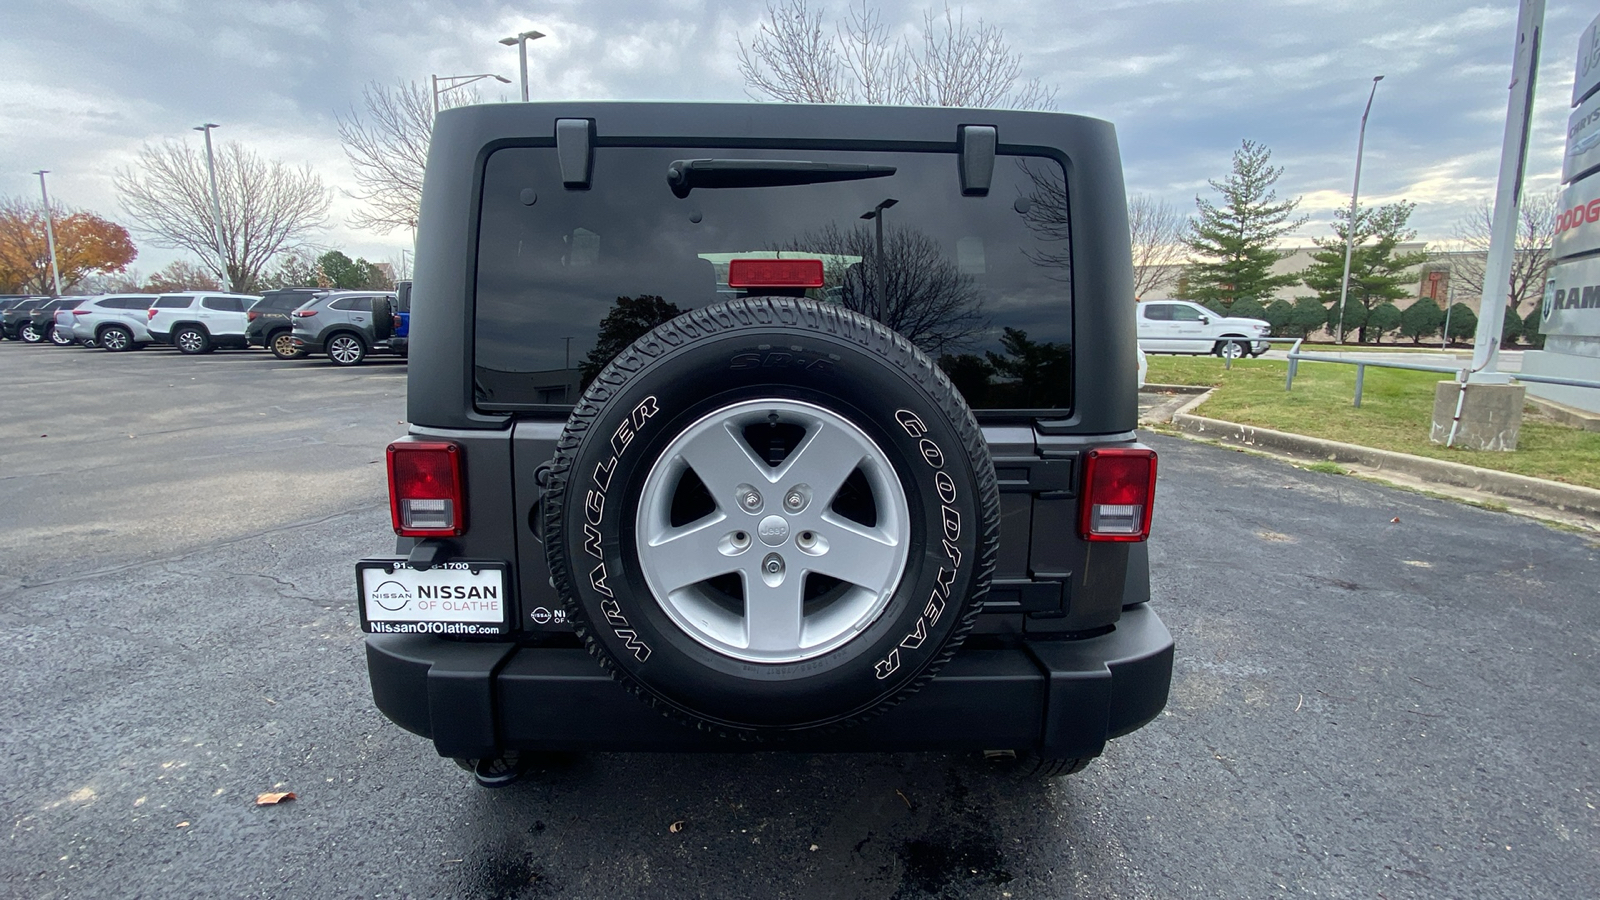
{"points": [[86, 245]]}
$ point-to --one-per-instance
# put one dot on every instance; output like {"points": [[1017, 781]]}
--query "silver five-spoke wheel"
{"points": [[772, 531]]}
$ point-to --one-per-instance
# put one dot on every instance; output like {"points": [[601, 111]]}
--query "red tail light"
{"points": [[251, 316], [150, 313], [1119, 489], [425, 489], [774, 273], [303, 313], [80, 312]]}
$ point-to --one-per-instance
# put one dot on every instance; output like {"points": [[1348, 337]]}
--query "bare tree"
{"points": [[1468, 253], [1156, 229], [793, 58], [387, 142], [268, 207], [926, 297]]}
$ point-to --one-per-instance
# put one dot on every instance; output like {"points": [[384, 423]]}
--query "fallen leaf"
{"points": [[815, 848], [183, 824], [675, 827], [273, 798], [1394, 520]]}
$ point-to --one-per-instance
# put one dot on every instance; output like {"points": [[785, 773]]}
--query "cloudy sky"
{"points": [[84, 83]]}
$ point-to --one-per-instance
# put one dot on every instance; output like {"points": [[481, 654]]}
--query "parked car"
{"points": [[1181, 326], [39, 324], [13, 319], [347, 325], [53, 321], [200, 321], [115, 322], [269, 321], [659, 494]]}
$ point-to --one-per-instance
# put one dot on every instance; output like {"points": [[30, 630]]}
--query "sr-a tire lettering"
{"points": [[594, 513], [950, 520]]}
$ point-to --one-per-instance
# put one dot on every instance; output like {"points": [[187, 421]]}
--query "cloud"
{"points": [[88, 81]]}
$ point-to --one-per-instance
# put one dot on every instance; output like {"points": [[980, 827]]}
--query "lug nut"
{"points": [[797, 498], [774, 567], [749, 499]]}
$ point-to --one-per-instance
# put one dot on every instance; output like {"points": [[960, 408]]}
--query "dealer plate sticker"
{"points": [[449, 598]]}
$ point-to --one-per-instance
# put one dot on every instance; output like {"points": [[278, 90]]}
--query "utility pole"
{"points": [[49, 230], [216, 206], [1350, 224], [879, 282]]}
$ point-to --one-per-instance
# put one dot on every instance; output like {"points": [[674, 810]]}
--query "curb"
{"points": [[1569, 498]]}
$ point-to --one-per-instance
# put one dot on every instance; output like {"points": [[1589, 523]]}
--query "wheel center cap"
{"points": [[773, 530]]}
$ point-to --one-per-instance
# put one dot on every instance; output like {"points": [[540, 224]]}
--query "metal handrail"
{"points": [[1461, 373]]}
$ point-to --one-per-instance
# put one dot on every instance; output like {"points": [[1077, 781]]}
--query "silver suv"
{"points": [[200, 321], [114, 321]]}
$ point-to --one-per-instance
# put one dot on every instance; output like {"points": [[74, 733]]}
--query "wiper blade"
{"points": [[684, 175]]}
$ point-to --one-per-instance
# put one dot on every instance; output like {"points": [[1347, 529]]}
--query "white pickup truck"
{"points": [[1179, 326]]}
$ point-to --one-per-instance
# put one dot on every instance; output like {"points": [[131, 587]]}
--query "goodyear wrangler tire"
{"points": [[772, 516]]}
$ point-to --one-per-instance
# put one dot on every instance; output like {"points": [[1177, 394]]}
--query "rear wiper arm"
{"points": [[684, 175]]}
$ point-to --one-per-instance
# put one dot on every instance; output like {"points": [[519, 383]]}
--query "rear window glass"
{"points": [[282, 302], [223, 304], [566, 279], [360, 304], [173, 303], [128, 302]]}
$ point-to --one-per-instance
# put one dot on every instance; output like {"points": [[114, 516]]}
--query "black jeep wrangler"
{"points": [[769, 426]]}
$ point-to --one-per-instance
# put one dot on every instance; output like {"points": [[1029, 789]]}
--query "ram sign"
{"points": [[1572, 299]]}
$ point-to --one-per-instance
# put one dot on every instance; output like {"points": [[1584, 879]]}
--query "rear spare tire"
{"points": [[772, 516]]}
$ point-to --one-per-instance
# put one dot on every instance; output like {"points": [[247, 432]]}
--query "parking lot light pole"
{"points": [[876, 213], [520, 41], [1350, 224], [216, 205], [49, 230], [458, 81]]}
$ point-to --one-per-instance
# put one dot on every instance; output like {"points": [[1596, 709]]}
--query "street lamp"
{"points": [[1350, 224], [520, 41], [457, 81], [877, 213], [216, 206], [49, 230]]}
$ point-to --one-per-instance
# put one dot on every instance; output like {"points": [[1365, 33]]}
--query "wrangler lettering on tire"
{"points": [[767, 542]]}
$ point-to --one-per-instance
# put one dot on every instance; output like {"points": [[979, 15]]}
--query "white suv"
{"points": [[1179, 326], [200, 321], [115, 321]]}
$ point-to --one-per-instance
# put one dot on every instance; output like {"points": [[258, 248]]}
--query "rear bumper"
{"points": [[1061, 698]]}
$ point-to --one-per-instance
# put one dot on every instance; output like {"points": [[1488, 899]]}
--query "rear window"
{"points": [[173, 303], [282, 302], [566, 279], [359, 304], [223, 304]]}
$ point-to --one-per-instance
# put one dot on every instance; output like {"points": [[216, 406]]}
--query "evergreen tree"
{"points": [[1511, 329], [1421, 319], [1532, 326], [1378, 273], [1384, 318], [1355, 316], [1277, 315], [1463, 322], [1306, 316], [1235, 240]]}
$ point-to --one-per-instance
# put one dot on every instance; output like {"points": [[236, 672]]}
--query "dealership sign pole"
{"points": [[1508, 195]]}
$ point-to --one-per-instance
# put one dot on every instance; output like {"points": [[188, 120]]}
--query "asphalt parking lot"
{"points": [[1362, 707]]}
